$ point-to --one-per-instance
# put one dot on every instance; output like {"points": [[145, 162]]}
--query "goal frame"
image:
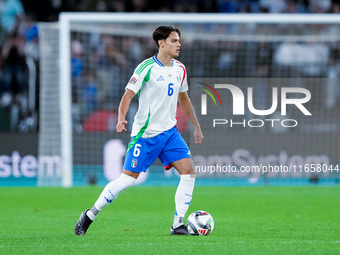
{"points": [[65, 20]]}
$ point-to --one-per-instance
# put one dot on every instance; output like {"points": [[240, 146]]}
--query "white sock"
{"points": [[92, 213], [110, 193], [183, 198]]}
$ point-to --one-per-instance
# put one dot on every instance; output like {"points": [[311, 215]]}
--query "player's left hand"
{"points": [[198, 135]]}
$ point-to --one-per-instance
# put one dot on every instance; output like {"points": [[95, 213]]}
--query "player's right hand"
{"points": [[121, 126]]}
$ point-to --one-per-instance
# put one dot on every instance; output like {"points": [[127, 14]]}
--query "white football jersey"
{"points": [[157, 87]]}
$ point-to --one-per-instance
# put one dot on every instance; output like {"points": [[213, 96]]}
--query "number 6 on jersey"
{"points": [[136, 151], [170, 89]]}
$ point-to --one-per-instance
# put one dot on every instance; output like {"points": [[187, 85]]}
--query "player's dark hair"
{"points": [[163, 32]]}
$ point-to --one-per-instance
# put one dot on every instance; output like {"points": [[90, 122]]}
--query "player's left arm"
{"points": [[185, 103]]}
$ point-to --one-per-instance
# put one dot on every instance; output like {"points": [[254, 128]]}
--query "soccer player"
{"points": [[161, 82]]}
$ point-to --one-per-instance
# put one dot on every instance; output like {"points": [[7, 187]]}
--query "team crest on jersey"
{"points": [[134, 162], [179, 76], [133, 81]]}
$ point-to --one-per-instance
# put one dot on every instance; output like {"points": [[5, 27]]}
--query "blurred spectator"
{"points": [[4, 86], [77, 65], [86, 5], [76, 61], [332, 89], [116, 6], [13, 59], [207, 6], [311, 59], [109, 62], [295, 6], [335, 7], [228, 6], [103, 5], [277, 6], [41, 10], [319, 6], [10, 9], [58, 6], [31, 47], [159, 6], [137, 6], [90, 93], [133, 51], [264, 57], [185, 6], [47, 10]]}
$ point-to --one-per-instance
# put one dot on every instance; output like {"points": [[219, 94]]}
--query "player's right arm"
{"points": [[122, 110], [132, 88]]}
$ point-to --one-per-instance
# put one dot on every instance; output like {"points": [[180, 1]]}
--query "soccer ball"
{"points": [[200, 223]]}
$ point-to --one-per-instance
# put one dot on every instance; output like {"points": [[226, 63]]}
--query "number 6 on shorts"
{"points": [[136, 151]]}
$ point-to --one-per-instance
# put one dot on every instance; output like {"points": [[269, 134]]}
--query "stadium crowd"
{"points": [[19, 50]]}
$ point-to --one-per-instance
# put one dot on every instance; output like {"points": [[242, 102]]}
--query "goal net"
{"points": [[87, 59]]}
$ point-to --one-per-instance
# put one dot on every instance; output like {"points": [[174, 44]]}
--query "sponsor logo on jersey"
{"points": [[160, 78], [134, 162], [133, 81]]}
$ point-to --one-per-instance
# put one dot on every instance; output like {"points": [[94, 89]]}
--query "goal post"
{"points": [[133, 30], [65, 101]]}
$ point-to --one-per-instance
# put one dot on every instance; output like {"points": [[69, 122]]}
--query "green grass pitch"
{"points": [[248, 220]]}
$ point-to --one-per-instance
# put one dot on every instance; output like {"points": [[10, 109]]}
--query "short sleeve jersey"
{"points": [[157, 87]]}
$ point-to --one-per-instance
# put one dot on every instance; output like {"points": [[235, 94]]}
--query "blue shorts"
{"points": [[168, 146]]}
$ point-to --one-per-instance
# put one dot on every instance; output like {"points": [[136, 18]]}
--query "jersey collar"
{"points": [[159, 62]]}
